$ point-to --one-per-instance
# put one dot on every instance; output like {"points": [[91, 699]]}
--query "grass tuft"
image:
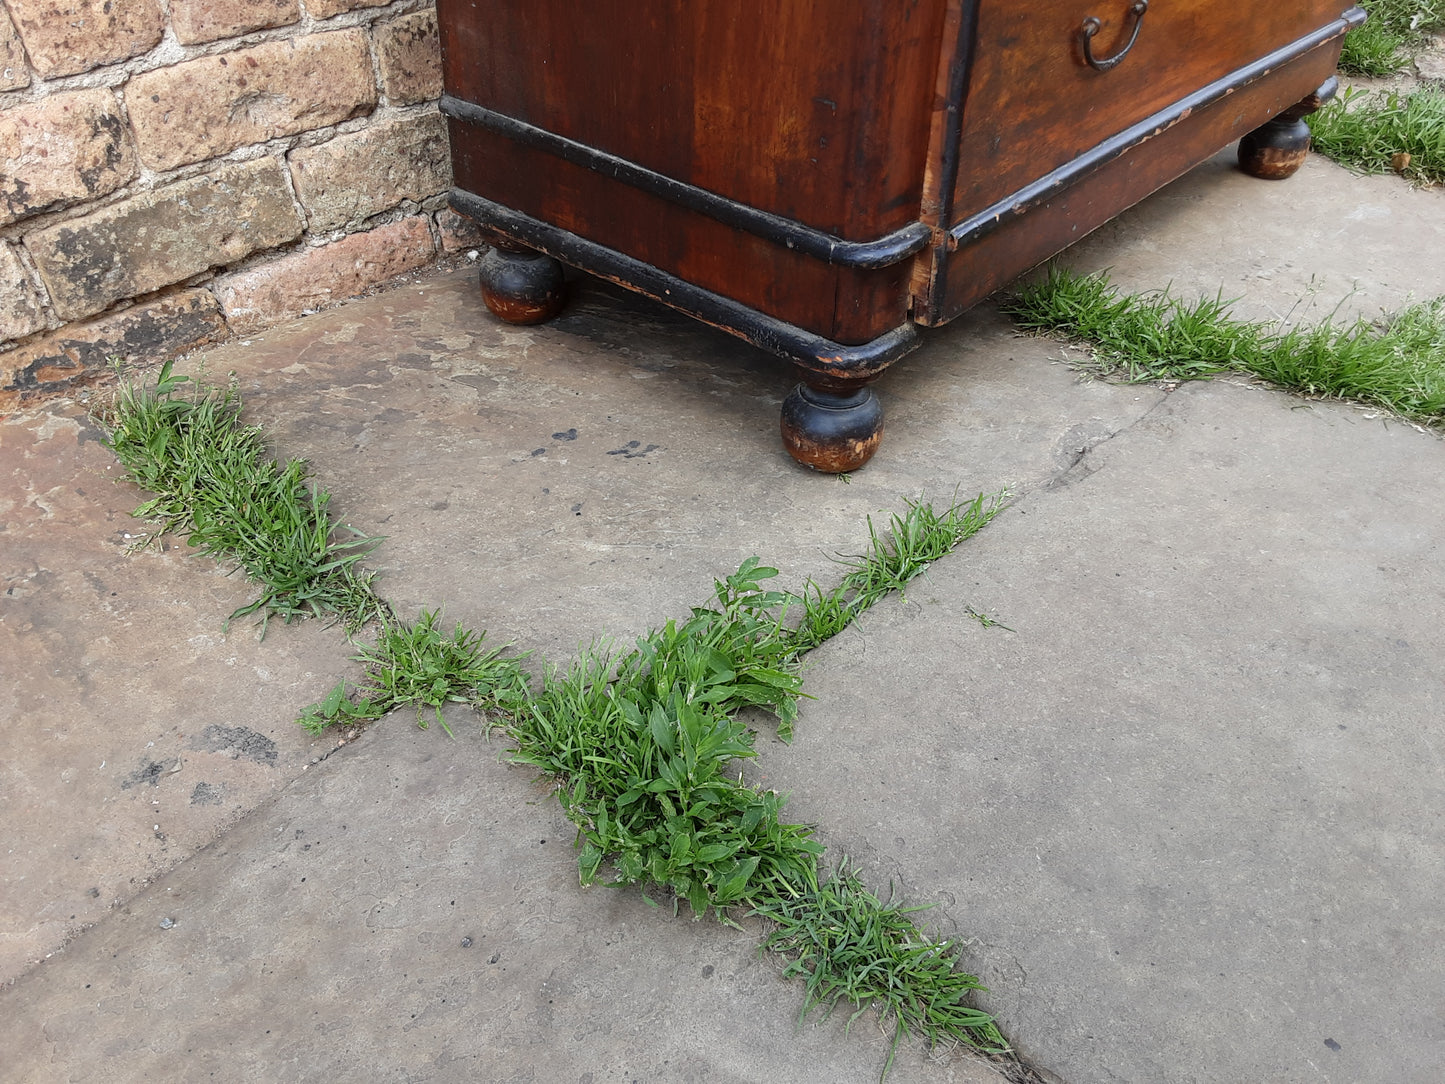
{"points": [[735, 654], [1384, 133], [643, 748], [420, 665], [848, 945], [641, 745], [913, 541], [649, 785], [1398, 363], [1382, 46], [215, 482]]}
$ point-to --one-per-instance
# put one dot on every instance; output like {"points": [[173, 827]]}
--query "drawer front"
{"points": [[1034, 103], [989, 261]]}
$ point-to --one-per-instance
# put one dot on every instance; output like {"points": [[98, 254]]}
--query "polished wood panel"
{"points": [[817, 110], [1034, 104], [989, 263]]}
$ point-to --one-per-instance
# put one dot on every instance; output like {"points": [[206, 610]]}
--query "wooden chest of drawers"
{"points": [[822, 177]]}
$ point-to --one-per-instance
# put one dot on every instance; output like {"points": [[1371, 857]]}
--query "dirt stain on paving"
{"points": [[149, 773], [238, 741]]}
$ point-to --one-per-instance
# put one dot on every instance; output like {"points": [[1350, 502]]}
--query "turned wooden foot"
{"points": [[521, 286], [832, 429], [1276, 149]]}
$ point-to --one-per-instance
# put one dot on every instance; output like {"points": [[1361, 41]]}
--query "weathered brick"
{"points": [[161, 237], [324, 9], [66, 37], [458, 231], [408, 52], [210, 20], [213, 104], [14, 71], [62, 149], [20, 311], [305, 281], [81, 353], [355, 176]]}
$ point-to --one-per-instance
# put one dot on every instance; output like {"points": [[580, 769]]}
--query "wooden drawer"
{"points": [[989, 259], [1034, 104]]}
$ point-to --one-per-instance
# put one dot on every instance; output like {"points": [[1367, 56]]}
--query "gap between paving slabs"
{"points": [[1388, 41], [1396, 125], [639, 744], [1397, 364]]}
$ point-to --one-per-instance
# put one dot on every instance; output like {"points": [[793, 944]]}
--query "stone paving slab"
{"points": [[591, 476], [1189, 802], [409, 911], [136, 728], [1325, 241]]}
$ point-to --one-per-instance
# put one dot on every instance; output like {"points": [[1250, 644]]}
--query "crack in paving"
{"points": [[1074, 450]]}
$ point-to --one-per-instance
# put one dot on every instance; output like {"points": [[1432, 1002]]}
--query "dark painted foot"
{"points": [[832, 431], [521, 286], [1276, 149]]}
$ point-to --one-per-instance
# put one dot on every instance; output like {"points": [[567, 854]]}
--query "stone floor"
{"points": [[1182, 811]]}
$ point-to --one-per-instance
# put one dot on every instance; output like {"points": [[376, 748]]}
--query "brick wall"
{"points": [[174, 172]]}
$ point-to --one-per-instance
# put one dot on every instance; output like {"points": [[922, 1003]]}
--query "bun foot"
{"points": [[1276, 149], [521, 286], [832, 431]]}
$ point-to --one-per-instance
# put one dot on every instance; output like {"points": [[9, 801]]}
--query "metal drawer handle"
{"points": [[1092, 26]]}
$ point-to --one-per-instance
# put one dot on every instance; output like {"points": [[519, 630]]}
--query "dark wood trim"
{"points": [[866, 255], [960, 66], [1049, 185], [811, 352]]}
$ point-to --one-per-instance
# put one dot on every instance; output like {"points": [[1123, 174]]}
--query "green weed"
{"points": [[1382, 45], [1398, 363], [419, 665], [1381, 133], [736, 654], [640, 745], [913, 541], [648, 786], [214, 481], [643, 746], [985, 620], [848, 945]]}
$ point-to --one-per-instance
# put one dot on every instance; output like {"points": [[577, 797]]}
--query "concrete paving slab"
{"points": [[1189, 802], [136, 728]]}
